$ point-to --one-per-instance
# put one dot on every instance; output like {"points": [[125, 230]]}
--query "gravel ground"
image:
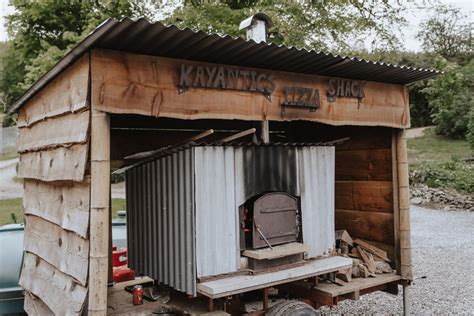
{"points": [[443, 268]]}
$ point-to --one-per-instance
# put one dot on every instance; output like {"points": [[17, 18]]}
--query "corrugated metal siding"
{"points": [[183, 207], [317, 182], [160, 215], [142, 37], [217, 233]]}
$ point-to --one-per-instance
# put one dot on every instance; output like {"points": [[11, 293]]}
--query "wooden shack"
{"points": [[133, 86]]}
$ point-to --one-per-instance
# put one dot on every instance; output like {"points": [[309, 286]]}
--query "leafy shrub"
{"points": [[453, 173], [470, 134], [450, 98], [117, 177]]}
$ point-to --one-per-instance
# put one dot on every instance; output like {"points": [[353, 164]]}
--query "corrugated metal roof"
{"points": [[142, 37]]}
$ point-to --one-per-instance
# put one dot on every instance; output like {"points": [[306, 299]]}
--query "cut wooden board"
{"points": [[357, 284], [376, 226], [35, 306], [62, 130], [67, 93], [277, 251], [243, 283], [147, 85], [344, 236], [59, 292], [373, 196], [55, 164], [65, 204], [364, 165], [368, 260], [372, 249], [64, 250]]}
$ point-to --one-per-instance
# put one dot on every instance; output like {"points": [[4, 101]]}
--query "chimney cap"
{"points": [[257, 17]]}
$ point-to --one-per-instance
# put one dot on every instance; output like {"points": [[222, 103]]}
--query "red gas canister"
{"points": [[122, 274], [137, 295], [119, 257]]}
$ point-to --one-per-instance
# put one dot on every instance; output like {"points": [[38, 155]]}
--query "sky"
{"points": [[407, 33]]}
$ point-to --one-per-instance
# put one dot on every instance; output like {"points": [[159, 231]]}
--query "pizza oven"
{"points": [[268, 220], [199, 212]]}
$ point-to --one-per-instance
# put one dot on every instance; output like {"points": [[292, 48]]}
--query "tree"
{"points": [[319, 25], [450, 97], [42, 32], [470, 134], [448, 33]]}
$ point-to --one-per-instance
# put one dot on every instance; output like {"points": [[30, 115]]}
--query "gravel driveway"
{"points": [[443, 268]]}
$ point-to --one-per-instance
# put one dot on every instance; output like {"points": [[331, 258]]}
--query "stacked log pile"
{"points": [[367, 259]]}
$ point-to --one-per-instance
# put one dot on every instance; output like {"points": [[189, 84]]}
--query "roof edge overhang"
{"points": [[110, 27], [64, 63]]}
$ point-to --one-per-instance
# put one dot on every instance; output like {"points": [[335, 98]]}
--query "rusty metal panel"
{"points": [[317, 182], [270, 168], [160, 220], [217, 233]]}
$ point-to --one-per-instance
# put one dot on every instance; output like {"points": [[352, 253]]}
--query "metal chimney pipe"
{"points": [[256, 27]]}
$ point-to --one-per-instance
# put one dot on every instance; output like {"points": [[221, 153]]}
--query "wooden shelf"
{"points": [[357, 284]]}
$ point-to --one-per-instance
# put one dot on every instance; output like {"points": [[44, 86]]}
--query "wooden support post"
{"points": [[396, 208], [210, 305], [404, 207], [265, 298], [406, 300], [111, 266], [316, 280], [99, 216]]}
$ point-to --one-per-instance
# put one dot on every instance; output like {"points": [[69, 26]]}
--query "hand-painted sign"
{"points": [[301, 97], [345, 88], [228, 78], [219, 77]]}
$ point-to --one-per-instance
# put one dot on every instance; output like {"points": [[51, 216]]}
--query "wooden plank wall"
{"points": [[364, 187], [53, 144]]}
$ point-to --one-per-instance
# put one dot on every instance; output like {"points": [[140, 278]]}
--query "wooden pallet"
{"points": [[330, 294]]}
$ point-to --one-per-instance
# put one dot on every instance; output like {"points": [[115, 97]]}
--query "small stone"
{"points": [[416, 200]]}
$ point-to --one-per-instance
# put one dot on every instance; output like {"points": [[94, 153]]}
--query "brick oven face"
{"points": [[269, 219]]}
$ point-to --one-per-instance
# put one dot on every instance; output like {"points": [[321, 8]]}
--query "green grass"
{"points": [[432, 148], [8, 156], [9, 206], [118, 205], [438, 162]]}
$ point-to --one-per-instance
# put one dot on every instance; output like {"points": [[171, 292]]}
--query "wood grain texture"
{"points": [[35, 306], [99, 218], [147, 85], [364, 165], [66, 251], [372, 196], [62, 130], [59, 292], [67, 93], [371, 226], [404, 207], [65, 204], [55, 164]]}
